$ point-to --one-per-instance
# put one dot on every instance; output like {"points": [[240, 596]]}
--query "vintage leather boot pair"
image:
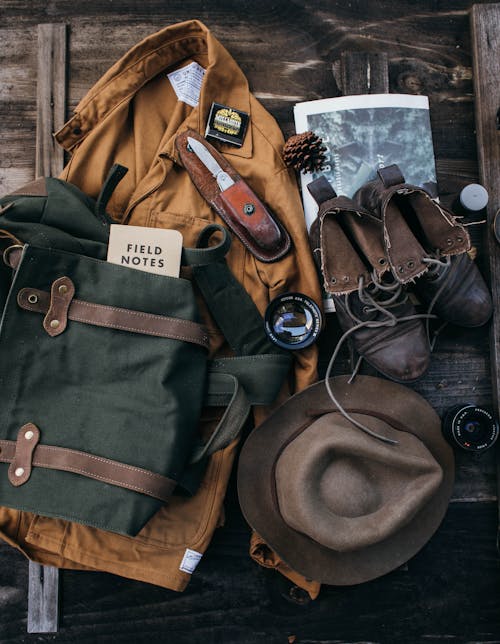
{"points": [[368, 249], [372, 307], [425, 243]]}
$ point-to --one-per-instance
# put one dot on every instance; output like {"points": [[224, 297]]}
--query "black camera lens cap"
{"points": [[293, 321], [470, 427]]}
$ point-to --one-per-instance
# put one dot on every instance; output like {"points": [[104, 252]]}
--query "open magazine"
{"points": [[365, 132]]}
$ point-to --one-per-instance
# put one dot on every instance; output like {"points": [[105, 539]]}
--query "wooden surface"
{"points": [[485, 29], [290, 51]]}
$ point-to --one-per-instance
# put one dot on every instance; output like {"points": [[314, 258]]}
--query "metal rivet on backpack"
{"points": [[32, 299], [249, 209], [63, 289], [54, 324], [19, 471], [29, 435]]}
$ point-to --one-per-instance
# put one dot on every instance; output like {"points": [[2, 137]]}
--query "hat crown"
{"points": [[347, 491]]}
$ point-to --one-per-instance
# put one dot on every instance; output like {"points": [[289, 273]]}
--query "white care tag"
{"points": [[190, 560], [187, 83]]}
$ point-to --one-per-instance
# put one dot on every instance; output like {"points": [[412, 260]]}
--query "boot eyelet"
{"points": [[449, 242], [32, 298], [346, 278], [366, 310], [401, 269], [459, 240], [333, 280], [382, 261], [410, 264]]}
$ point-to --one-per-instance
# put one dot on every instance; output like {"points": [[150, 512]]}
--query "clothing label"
{"points": [[154, 250], [190, 560], [187, 83]]}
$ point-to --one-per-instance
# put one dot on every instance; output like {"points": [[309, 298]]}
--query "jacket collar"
{"points": [[224, 82]]}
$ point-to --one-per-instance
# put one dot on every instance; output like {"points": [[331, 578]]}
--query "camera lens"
{"points": [[293, 321], [470, 427]]}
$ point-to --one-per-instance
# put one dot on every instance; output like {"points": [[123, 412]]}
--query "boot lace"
{"points": [[378, 296]]}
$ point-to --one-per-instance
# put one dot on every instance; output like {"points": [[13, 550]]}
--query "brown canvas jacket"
{"points": [[131, 116]]}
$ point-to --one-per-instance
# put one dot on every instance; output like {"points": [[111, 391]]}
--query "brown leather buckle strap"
{"points": [[25, 453], [20, 466], [61, 294], [32, 299]]}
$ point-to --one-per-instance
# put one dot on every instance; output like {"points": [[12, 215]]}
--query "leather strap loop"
{"points": [[21, 464], [390, 175], [61, 293], [321, 190]]}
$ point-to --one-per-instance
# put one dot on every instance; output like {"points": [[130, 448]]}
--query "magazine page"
{"points": [[365, 132]]}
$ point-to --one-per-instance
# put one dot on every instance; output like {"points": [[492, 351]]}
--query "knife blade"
{"points": [[224, 181]]}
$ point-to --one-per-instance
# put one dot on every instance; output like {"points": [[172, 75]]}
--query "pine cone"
{"points": [[304, 152]]}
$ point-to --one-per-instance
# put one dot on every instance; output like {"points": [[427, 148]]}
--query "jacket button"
{"points": [[19, 471], [29, 435], [54, 324]]}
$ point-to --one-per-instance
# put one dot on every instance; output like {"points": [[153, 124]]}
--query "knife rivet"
{"points": [[249, 209]]}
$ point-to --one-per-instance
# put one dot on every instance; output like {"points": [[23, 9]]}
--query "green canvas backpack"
{"points": [[104, 369]]}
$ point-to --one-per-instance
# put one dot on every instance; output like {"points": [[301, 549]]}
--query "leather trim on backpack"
{"points": [[32, 299], [23, 460]]}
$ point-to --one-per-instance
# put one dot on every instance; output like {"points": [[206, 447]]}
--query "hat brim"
{"points": [[398, 406]]}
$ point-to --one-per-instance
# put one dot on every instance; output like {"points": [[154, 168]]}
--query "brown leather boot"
{"points": [[425, 244], [372, 307]]}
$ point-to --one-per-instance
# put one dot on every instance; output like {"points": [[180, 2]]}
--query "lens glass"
{"points": [[292, 323], [474, 431]]}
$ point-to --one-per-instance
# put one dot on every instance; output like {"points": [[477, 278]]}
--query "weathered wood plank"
{"points": [[485, 27], [43, 582], [43, 598], [363, 73], [51, 98]]}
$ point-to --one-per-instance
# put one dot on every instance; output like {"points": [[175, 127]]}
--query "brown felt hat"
{"points": [[337, 505]]}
